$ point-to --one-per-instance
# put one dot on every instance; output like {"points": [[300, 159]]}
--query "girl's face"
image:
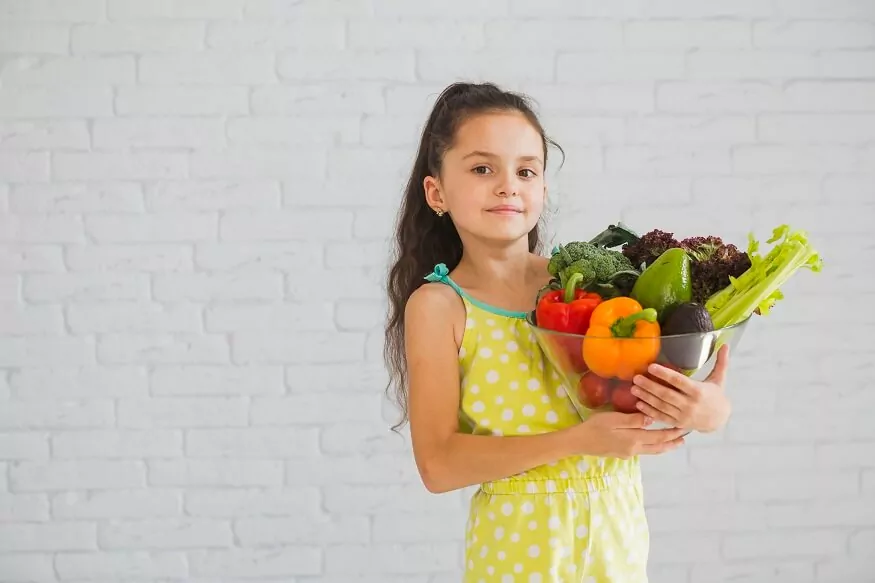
{"points": [[492, 179]]}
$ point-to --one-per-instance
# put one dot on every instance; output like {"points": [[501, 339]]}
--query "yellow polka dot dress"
{"points": [[580, 519]]}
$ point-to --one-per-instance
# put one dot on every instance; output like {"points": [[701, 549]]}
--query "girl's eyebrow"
{"points": [[491, 155]]}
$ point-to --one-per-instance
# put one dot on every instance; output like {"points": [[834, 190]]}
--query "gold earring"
{"points": [[439, 212]]}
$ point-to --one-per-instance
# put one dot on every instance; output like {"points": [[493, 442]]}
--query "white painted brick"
{"points": [[25, 567], [252, 443], [825, 9], [685, 548], [51, 10], [289, 561], [559, 9], [174, 9], [37, 414], [303, 225], [216, 380], [335, 98], [391, 558], [311, 9], [813, 35], [248, 503], [47, 383], [400, 8], [307, 34], [334, 377], [120, 565], [668, 160], [23, 445], [844, 569], [813, 543], [159, 227], [290, 348], [69, 71], [382, 191], [24, 166], [391, 131], [335, 284], [165, 533], [845, 455], [181, 100], [309, 65], [692, 518], [130, 258], [249, 257], [157, 348], [797, 485], [669, 489], [46, 351], [406, 527], [287, 131], [292, 317], [587, 130], [550, 34], [207, 68], [813, 129], [316, 408], [116, 444], [137, 38], [359, 314], [404, 34], [18, 320], [116, 504], [118, 165], [43, 134], [24, 508], [383, 469], [362, 438], [41, 229], [364, 254], [503, 66], [708, 9], [210, 287], [716, 34], [84, 287], [719, 96], [739, 458], [595, 98], [830, 96], [690, 129], [772, 570], [10, 286], [753, 189], [76, 197], [242, 162], [844, 512], [212, 195], [108, 317], [199, 473], [793, 159], [158, 133], [48, 102], [615, 66], [321, 530], [182, 412], [47, 537], [76, 474]]}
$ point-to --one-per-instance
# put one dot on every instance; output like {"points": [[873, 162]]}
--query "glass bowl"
{"points": [[693, 354]]}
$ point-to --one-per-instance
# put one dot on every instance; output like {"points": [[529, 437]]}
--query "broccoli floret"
{"points": [[598, 265]]}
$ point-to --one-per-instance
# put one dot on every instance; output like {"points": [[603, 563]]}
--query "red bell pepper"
{"points": [[567, 310]]}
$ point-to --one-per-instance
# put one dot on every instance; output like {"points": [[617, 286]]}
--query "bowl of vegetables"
{"points": [[619, 302]]}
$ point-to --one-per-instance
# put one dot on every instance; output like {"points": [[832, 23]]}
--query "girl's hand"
{"points": [[622, 435], [682, 402]]}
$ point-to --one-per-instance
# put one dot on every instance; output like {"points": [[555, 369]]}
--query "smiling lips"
{"points": [[505, 209]]}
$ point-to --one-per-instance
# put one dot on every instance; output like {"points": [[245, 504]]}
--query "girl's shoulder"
{"points": [[436, 306]]}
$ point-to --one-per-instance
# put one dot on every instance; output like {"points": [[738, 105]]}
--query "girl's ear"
{"points": [[432, 193]]}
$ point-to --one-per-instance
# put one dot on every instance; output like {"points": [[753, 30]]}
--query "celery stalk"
{"points": [[758, 288]]}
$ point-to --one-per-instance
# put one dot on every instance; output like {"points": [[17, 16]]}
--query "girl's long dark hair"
{"points": [[422, 239]]}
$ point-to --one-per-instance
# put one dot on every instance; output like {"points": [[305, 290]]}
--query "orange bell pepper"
{"points": [[622, 340]]}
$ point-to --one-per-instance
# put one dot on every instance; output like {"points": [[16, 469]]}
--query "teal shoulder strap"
{"points": [[442, 274]]}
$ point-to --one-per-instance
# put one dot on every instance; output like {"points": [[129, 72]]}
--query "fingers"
{"points": [[645, 387], [658, 448], [658, 414], [718, 375], [673, 378], [634, 420]]}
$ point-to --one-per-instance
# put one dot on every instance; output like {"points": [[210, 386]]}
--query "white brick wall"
{"points": [[195, 197]]}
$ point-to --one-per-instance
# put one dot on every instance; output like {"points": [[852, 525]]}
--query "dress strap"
{"points": [[442, 274]]}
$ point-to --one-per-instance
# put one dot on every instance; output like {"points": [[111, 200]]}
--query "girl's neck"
{"points": [[508, 268]]}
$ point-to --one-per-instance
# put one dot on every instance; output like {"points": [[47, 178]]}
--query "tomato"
{"points": [[622, 398], [594, 390], [572, 353]]}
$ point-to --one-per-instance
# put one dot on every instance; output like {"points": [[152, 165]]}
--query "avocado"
{"points": [[665, 283], [688, 338]]}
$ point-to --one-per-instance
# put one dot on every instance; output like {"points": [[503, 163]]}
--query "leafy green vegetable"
{"points": [[758, 288], [601, 268]]}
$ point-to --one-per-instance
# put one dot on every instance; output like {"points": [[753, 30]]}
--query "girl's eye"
{"points": [[532, 172], [478, 168]]}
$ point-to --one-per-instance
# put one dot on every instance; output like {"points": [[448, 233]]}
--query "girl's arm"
{"points": [[447, 459]]}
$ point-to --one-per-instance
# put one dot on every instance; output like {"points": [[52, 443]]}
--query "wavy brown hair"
{"points": [[422, 239]]}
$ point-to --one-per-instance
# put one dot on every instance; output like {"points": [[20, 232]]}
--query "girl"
{"points": [[558, 499]]}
